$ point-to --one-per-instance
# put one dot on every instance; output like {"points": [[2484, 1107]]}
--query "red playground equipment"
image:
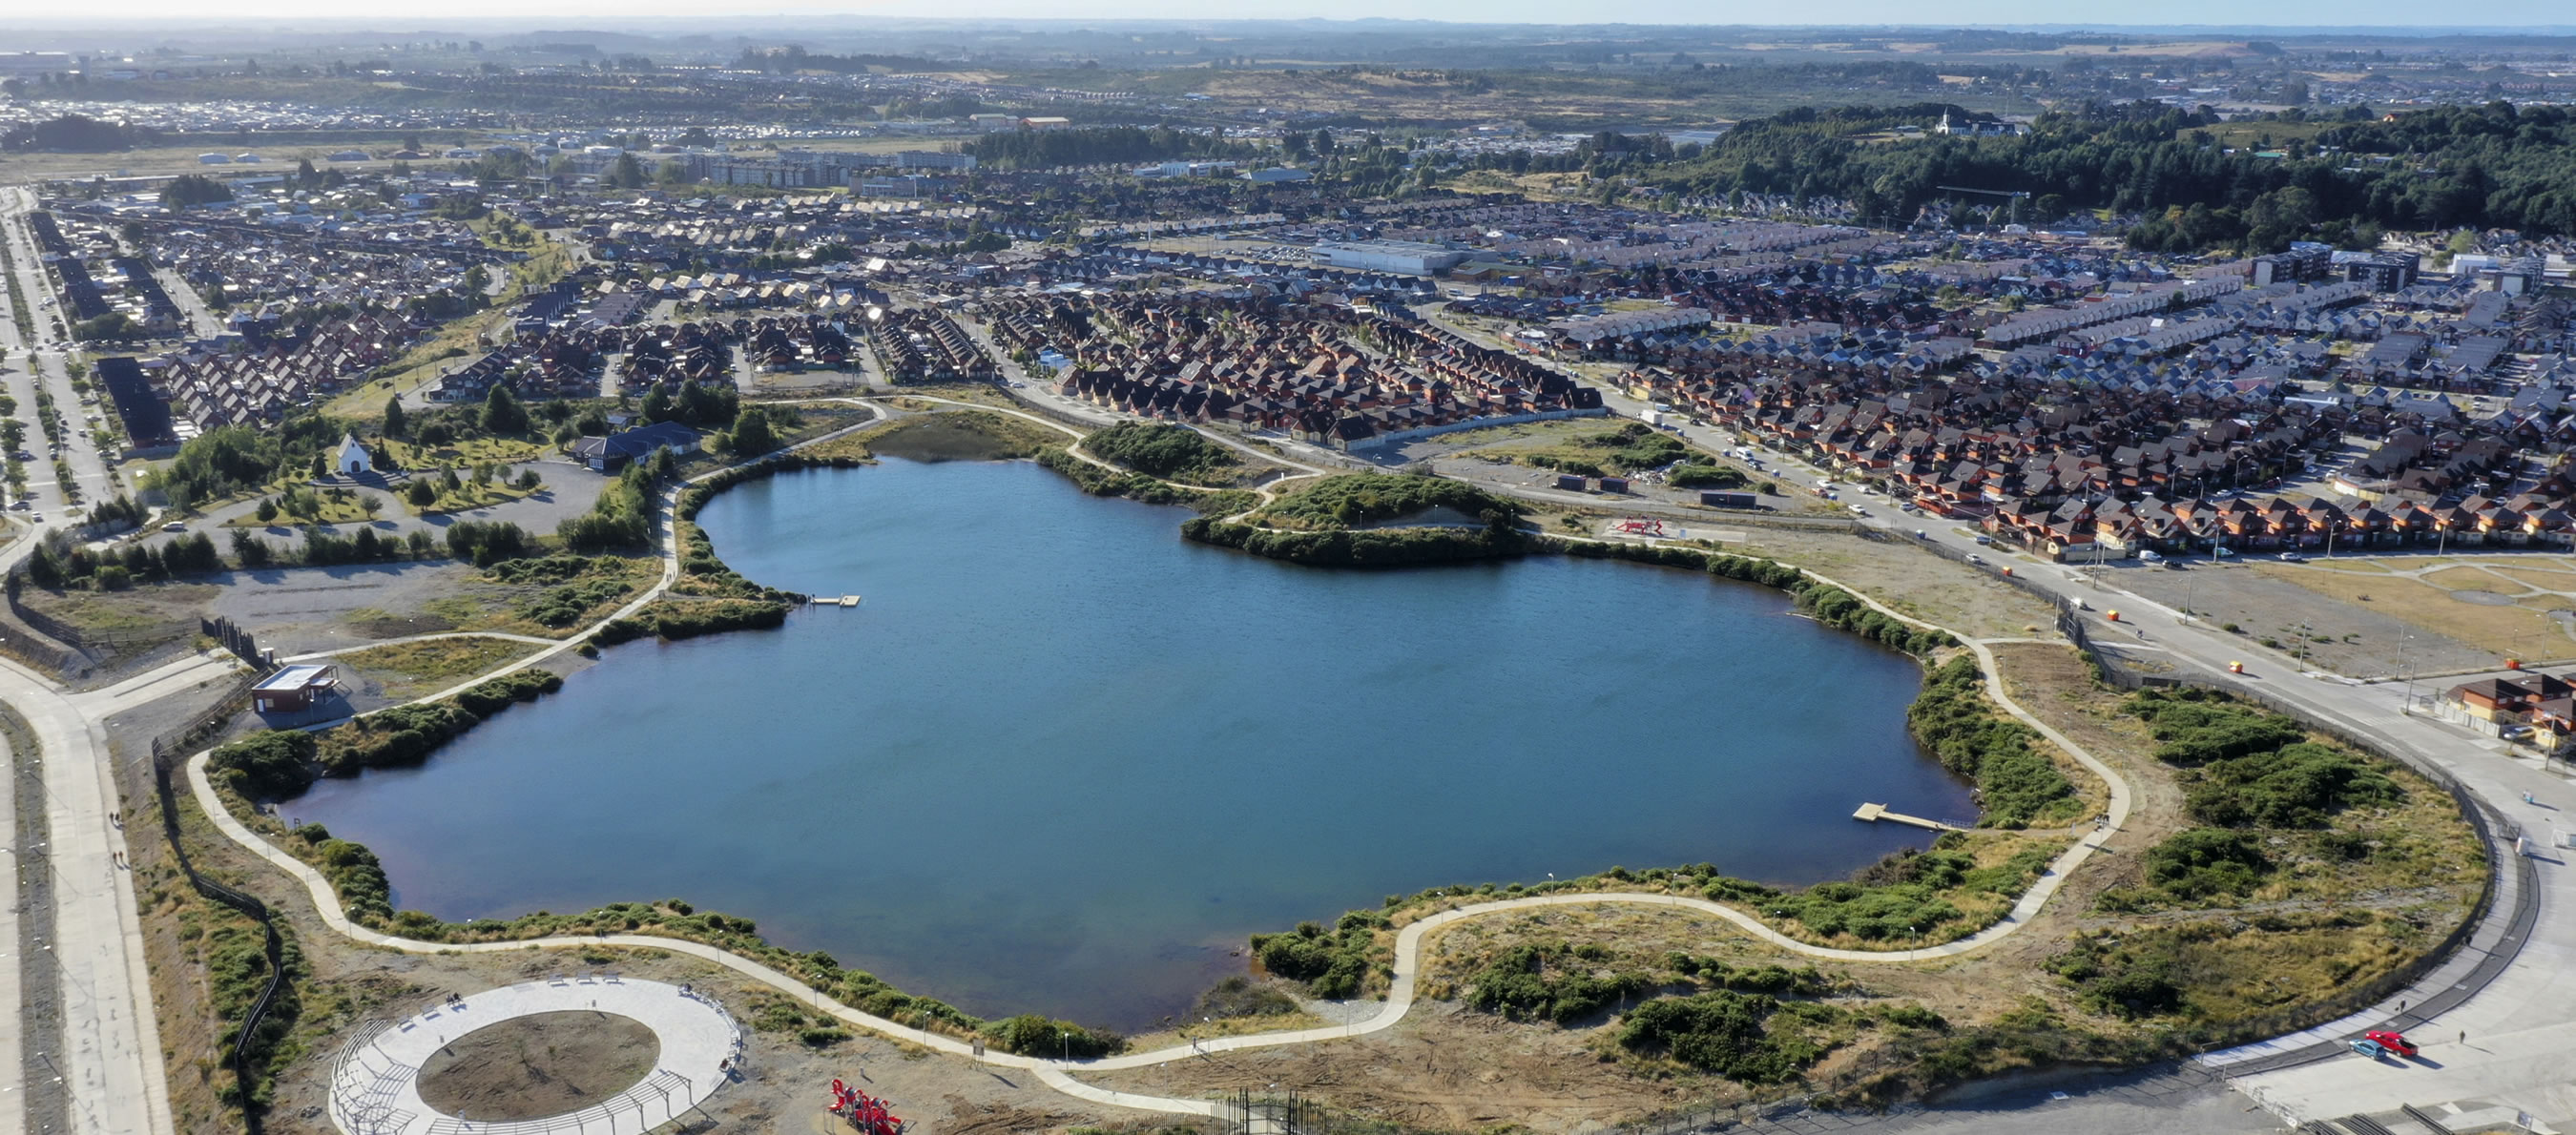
{"points": [[864, 1112], [1639, 526]]}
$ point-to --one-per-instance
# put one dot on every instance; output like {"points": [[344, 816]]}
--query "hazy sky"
{"points": [[2284, 13]]}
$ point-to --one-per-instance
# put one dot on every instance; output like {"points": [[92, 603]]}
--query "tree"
{"points": [[394, 424], [371, 504], [421, 494], [267, 509], [193, 189], [249, 551], [752, 435], [502, 413], [626, 173]]}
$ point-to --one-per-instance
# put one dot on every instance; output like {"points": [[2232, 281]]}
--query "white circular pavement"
{"points": [[375, 1086]]}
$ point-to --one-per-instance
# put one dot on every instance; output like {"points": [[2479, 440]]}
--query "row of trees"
{"points": [[1098, 145], [2478, 166]]}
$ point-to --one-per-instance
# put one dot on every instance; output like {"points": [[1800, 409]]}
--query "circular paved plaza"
{"points": [[375, 1086]]}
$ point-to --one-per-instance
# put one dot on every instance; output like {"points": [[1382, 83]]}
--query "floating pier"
{"points": [[833, 600], [1871, 813]]}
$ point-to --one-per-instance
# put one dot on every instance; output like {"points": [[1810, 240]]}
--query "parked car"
{"points": [[1985, 541], [2152, 556], [2292, 558], [1975, 558], [174, 526], [2393, 1042]]}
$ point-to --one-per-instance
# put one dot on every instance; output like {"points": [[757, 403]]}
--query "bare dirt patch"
{"points": [[533, 1067], [2484, 630]]}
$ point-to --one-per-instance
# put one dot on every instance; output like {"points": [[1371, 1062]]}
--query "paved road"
{"points": [[45, 362], [111, 1051], [2522, 1027]]}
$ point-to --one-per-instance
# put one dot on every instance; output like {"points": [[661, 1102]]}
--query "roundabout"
{"points": [[377, 1080]]}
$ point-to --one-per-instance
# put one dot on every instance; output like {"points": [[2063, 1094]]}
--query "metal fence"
{"points": [[1271, 1113], [167, 751]]}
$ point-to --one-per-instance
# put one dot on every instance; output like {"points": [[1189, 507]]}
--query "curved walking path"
{"points": [[1409, 941]]}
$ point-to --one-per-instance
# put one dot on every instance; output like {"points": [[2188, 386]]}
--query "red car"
{"points": [[2393, 1042]]}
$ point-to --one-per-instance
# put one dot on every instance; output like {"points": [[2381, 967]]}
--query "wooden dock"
{"points": [[1871, 813]]}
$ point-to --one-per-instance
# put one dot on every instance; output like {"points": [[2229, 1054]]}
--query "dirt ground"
{"points": [[1909, 580], [2401, 626], [533, 1067]]}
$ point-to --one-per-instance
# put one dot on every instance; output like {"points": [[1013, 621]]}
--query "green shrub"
{"points": [[1707, 477], [272, 764], [1353, 499], [2131, 980], [1032, 1035], [2196, 730], [2019, 785], [1554, 984], [2296, 786], [1334, 964], [1162, 449], [2200, 862], [1722, 1032]]}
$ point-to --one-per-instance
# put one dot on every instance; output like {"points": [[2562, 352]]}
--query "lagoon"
{"points": [[1062, 760]]}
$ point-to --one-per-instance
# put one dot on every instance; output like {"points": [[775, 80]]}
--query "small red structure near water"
{"points": [[864, 1112], [1639, 526]]}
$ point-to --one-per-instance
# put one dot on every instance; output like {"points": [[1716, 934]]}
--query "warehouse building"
{"points": [[1401, 257]]}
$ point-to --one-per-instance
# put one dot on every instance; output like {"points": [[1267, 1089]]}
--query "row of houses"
{"points": [[259, 383], [1328, 373], [918, 345]]}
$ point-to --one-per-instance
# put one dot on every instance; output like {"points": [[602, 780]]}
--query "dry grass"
{"points": [[2517, 630], [412, 669], [2544, 578], [2465, 578]]}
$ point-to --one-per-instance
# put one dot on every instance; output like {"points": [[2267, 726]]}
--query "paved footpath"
{"points": [[1408, 945]]}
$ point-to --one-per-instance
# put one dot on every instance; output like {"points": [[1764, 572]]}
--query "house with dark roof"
{"points": [[611, 453]]}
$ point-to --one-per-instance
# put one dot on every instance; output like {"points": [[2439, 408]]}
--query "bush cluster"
{"points": [[2019, 785], [1162, 449], [1695, 476], [1365, 498], [272, 764], [1030, 1034], [1334, 964], [622, 518], [1367, 547], [1101, 482], [2245, 768], [1828, 604], [1723, 1032], [405, 734], [1557, 983]]}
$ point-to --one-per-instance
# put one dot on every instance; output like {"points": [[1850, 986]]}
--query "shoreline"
{"points": [[694, 497]]}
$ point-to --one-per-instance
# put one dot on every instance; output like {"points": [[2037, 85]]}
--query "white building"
{"points": [[1405, 257], [353, 459]]}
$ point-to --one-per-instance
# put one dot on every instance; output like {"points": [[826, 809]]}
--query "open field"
{"points": [[416, 669], [2494, 604]]}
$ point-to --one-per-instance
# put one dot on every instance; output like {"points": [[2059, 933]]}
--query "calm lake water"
{"points": [[1062, 760]]}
